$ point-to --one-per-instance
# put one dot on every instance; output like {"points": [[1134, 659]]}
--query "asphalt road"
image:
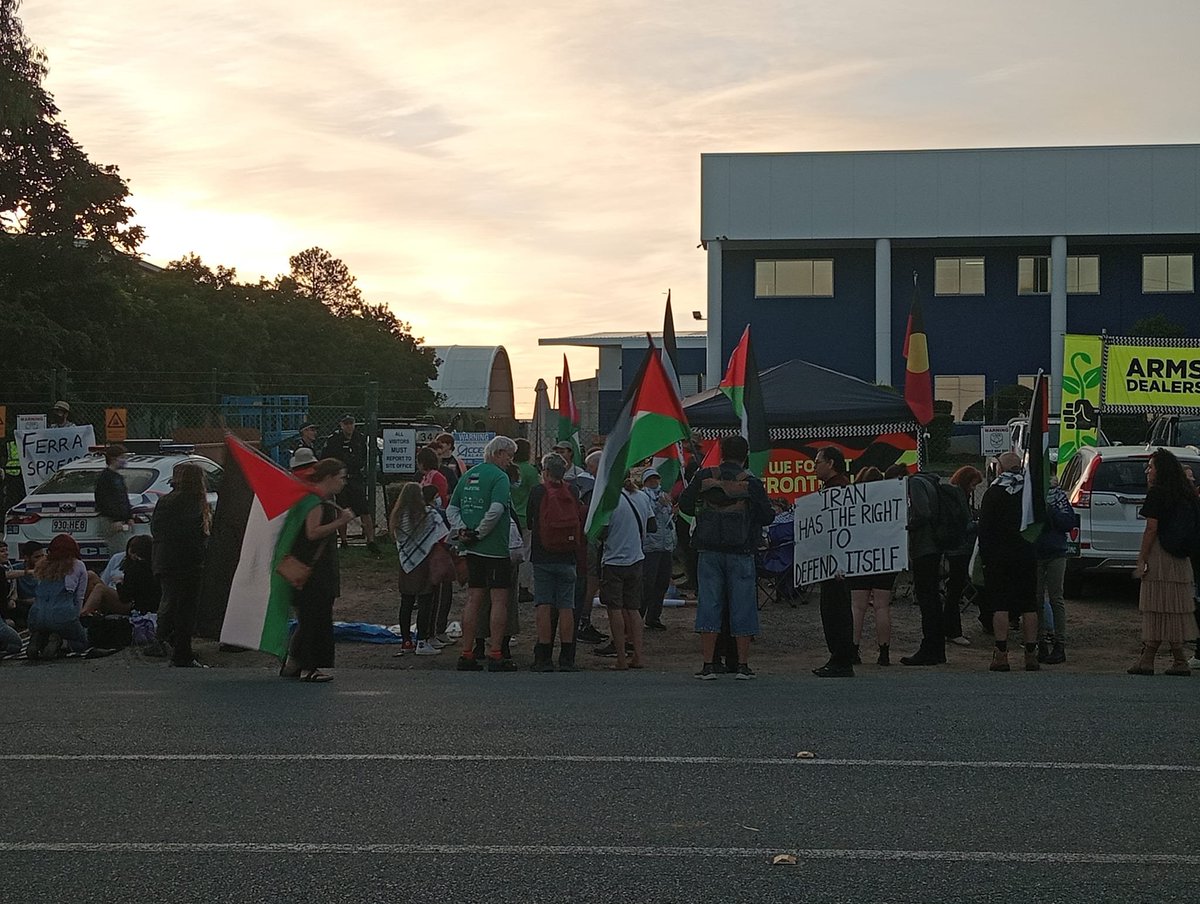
{"points": [[134, 784]]}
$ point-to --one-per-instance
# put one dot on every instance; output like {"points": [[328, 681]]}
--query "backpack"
{"points": [[558, 520], [951, 514], [1179, 535], [723, 511]]}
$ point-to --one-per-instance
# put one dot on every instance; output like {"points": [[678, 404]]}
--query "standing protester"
{"points": [[180, 526], [556, 534], [62, 581], [417, 529], [731, 509], [307, 438], [427, 465], [1163, 566], [837, 619], [872, 591], [621, 563], [349, 446], [1051, 551], [925, 507], [1009, 564], [478, 513], [60, 416], [512, 623], [659, 550], [527, 479], [112, 500], [958, 559], [449, 463], [433, 480], [567, 452]]}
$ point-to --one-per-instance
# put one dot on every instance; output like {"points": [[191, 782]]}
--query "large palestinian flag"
{"points": [[669, 461], [650, 420], [568, 415], [742, 387], [260, 511]]}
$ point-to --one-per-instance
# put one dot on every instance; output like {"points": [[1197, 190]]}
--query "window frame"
{"points": [[958, 409], [960, 260], [811, 261], [1167, 256], [1071, 259]]}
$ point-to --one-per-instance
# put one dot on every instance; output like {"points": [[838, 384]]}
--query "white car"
{"points": [[1107, 486], [66, 502]]}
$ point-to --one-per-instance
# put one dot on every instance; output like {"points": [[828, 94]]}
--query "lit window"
{"points": [[962, 391], [1034, 276], [1167, 273], [958, 276], [794, 279]]}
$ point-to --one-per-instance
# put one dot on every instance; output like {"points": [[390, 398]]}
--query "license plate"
{"points": [[68, 525]]}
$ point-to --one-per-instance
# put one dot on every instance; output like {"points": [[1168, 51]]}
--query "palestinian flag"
{"points": [[918, 382], [669, 461], [1037, 462], [745, 394], [651, 420], [568, 415], [260, 511]]}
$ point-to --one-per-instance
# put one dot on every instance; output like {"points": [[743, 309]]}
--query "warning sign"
{"points": [[115, 421]]}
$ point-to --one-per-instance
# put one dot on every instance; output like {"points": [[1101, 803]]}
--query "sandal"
{"points": [[316, 677]]}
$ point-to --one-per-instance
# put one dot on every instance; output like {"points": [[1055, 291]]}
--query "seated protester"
{"points": [[127, 583], [32, 554], [61, 588]]}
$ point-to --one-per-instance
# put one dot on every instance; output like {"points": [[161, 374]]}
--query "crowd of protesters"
{"points": [[513, 530]]}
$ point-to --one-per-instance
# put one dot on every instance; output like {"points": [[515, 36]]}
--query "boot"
{"points": [[884, 654], [1145, 662], [566, 658], [1032, 658], [1179, 665], [999, 661], [857, 655], [923, 656], [1043, 651], [543, 658], [1057, 655]]}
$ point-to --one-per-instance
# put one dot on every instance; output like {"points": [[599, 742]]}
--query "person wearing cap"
{"points": [[302, 463], [60, 415], [307, 439], [349, 446], [567, 452], [659, 548]]}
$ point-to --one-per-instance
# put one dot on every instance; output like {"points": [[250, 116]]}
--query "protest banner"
{"points": [[469, 446], [853, 530], [45, 451], [399, 450]]}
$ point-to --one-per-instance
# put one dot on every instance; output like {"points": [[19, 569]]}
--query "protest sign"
{"points": [[853, 530], [45, 451], [469, 446], [399, 450]]}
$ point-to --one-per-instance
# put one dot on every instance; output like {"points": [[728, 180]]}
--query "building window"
{"points": [[958, 276], [1167, 273], [793, 279], [1027, 380], [961, 391], [1083, 275]]}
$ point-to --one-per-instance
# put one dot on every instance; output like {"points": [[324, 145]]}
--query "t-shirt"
{"points": [[626, 532], [478, 490], [1157, 504], [437, 480], [521, 491]]}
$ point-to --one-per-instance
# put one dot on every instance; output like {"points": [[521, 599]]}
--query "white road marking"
{"points": [[789, 762], [553, 850]]}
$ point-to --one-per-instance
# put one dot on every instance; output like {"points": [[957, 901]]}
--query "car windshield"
{"points": [[1128, 476], [83, 480], [1188, 432]]}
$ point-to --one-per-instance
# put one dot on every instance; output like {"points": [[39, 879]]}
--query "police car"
{"points": [[66, 502]]}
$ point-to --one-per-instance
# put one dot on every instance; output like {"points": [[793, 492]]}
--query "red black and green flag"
{"points": [[568, 416], [742, 387], [669, 461], [918, 381]]}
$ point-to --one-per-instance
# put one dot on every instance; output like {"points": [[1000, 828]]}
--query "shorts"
{"points": [[354, 497], [726, 579], [554, 585], [593, 559], [486, 573], [621, 586], [872, 582], [1010, 586]]}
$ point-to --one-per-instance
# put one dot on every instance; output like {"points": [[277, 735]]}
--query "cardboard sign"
{"points": [[45, 451], [469, 446], [27, 423], [399, 450], [854, 530], [116, 422], [994, 440]]}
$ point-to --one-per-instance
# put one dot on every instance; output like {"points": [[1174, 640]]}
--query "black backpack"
{"points": [[1179, 534], [723, 511]]}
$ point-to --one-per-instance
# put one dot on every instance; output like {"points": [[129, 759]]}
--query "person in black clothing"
{"points": [[837, 614], [311, 647], [132, 584], [349, 446], [180, 525], [112, 500], [307, 438]]}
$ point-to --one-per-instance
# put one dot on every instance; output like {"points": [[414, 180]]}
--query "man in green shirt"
{"points": [[479, 513]]}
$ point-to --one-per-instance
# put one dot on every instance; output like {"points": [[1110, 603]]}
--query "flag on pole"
{"points": [[260, 512], [568, 416], [742, 387], [1037, 461], [651, 420], [918, 382], [669, 461]]}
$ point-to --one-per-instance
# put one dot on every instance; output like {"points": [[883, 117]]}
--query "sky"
{"points": [[500, 172]]}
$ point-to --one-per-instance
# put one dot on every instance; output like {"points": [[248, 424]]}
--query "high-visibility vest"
{"points": [[12, 466]]}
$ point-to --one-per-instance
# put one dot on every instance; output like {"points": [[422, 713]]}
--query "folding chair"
{"points": [[774, 565]]}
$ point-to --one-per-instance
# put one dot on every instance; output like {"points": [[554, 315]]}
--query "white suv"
{"points": [[1107, 486]]}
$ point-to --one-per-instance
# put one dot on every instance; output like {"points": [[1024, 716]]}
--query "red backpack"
{"points": [[558, 519]]}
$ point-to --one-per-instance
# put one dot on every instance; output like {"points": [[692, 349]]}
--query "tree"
{"points": [[318, 274], [1158, 326], [48, 186], [200, 272]]}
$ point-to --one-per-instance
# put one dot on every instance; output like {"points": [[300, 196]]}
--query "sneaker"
{"points": [[469, 664], [1194, 662], [706, 673], [439, 644], [444, 639], [407, 647], [745, 673], [427, 649], [52, 647], [655, 626], [501, 665], [960, 641], [589, 634], [609, 649]]}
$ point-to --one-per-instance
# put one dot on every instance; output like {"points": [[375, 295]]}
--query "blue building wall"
{"points": [[691, 361]]}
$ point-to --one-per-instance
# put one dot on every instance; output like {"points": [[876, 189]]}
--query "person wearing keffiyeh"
{"points": [[417, 529]]}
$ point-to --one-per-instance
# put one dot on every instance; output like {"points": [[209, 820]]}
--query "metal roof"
{"points": [[467, 373]]}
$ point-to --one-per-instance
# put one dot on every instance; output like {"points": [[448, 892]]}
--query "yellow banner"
{"points": [[1080, 395], [1152, 375]]}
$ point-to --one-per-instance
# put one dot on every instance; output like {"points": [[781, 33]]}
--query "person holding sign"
{"points": [[836, 614], [872, 591]]}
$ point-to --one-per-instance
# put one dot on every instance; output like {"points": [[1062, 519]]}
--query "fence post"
{"points": [[372, 448]]}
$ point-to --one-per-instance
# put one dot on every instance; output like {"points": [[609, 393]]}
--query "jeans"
{"points": [[727, 584], [10, 640], [926, 571], [656, 578], [1050, 575]]}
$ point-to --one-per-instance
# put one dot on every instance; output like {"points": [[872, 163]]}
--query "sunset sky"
{"points": [[496, 172]]}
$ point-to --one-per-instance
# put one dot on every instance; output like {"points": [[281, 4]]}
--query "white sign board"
{"points": [[399, 450], [27, 423], [469, 446], [854, 530], [994, 440], [45, 451]]}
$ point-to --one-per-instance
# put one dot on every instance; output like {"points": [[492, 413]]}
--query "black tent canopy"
{"points": [[806, 400]]}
